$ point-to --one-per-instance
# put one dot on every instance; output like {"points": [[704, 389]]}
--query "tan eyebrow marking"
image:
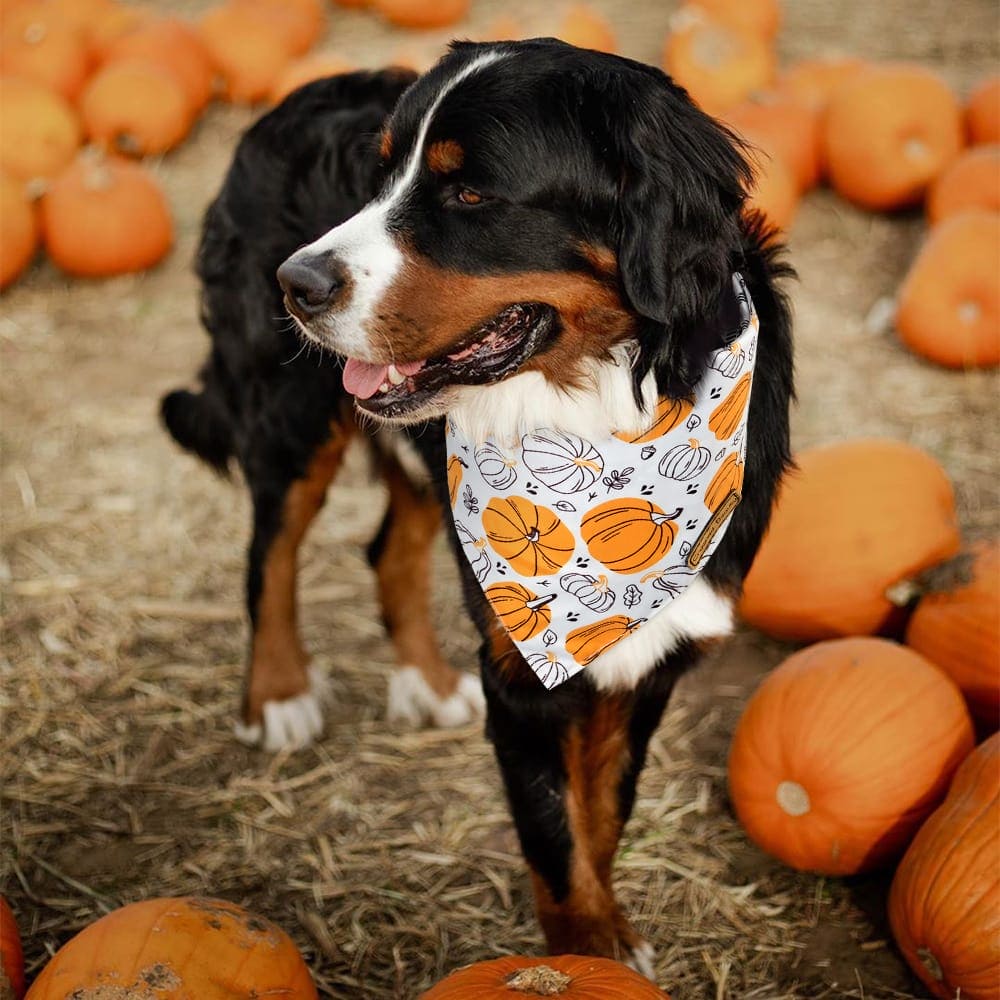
{"points": [[385, 146], [445, 157]]}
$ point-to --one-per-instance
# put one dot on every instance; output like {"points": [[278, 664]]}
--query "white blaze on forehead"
{"points": [[364, 246]]}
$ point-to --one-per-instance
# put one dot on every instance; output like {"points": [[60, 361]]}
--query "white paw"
{"points": [[291, 723], [412, 700], [641, 960]]}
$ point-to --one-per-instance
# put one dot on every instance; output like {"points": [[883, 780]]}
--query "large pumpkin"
{"points": [[843, 751], [958, 629], [11, 955], [944, 904], [589, 641], [669, 414], [853, 519], [565, 463], [521, 612], [628, 535], [726, 417], [531, 538], [190, 946], [571, 977]]}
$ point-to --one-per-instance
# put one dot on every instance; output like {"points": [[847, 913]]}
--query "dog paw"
{"points": [[641, 960], [413, 702], [290, 723]]}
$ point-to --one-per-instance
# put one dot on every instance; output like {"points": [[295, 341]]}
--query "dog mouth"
{"points": [[490, 353]]}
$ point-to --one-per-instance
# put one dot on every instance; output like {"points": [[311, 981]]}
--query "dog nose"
{"points": [[310, 284]]}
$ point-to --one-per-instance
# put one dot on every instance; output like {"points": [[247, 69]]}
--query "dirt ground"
{"points": [[389, 856]]}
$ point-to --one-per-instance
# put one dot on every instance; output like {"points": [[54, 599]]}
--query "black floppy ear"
{"points": [[683, 180]]}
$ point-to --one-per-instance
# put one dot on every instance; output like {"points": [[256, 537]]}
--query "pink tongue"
{"points": [[363, 379]]}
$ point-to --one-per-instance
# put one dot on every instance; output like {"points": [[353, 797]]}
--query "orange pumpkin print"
{"points": [[628, 535], [669, 414], [728, 478], [532, 539], [522, 613], [455, 466], [727, 415], [586, 643]]}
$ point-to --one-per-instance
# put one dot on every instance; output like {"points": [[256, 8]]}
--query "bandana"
{"points": [[579, 543]]}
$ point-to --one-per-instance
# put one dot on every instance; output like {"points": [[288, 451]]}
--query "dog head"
{"points": [[540, 204]]}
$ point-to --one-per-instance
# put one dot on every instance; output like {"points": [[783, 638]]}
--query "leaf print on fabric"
{"points": [[549, 670], [471, 501], [531, 538], [591, 592], [549, 637], [685, 461], [565, 506], [632, 596], [618, 480], [564, 463], [496, 468]]}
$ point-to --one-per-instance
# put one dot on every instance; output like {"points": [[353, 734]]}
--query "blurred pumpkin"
{"points": [[958, 629], [948, 308], [105, 216], [136, 107], [299, 72], [422, 13], [299, 22], [972, 181], [18, 229], [586, 643], [41, 132], [628, 535], [718, 64], [11, 955], [521, 612], [190, 946], [762, 17], [82, 15], [843, 751], [888, 133], [814, 81], [944, 903], [504, 29], [584, 27], [982, 112], [775, 193], [530, 537], [116, 21], [37, 44], [852, 519]]}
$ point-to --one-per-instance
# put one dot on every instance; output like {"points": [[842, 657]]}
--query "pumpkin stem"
{"points": [[655, 575], [539, 981], [663, 518], [931, 964], [942, 578], [539, 602], [586, 463], [793, 798]]}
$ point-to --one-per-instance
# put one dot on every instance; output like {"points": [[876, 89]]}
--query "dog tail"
{"points": [[199, 424]]}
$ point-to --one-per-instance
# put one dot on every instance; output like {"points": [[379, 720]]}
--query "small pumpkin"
{"points": [[571, 977], [189, 946], [530, 537], [306, 69], [728, 479], [114, 21], [565, 463], [522, 613], [958, 630], [37, 44], [587, 29], [888, 133], [972, 181], [499, 470], [479, 558], [548, 669], [628, 535], [853, 519], [670, 413], [944, 903], [41, 132], [726, 417], [685, 461], [843, 751], [105, 216], [592, 592], [11, 955], [589, 641], [815, 81], [421, 13], [455, 466], [728, 360], [982, 112], [299, 23], [18, 229], [762, 17], [948, 308]]}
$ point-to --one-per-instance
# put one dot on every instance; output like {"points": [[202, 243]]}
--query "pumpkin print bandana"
{"points": [[578, 543]]}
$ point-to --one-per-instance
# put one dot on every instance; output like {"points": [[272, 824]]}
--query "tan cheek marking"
{"points": [[445, 157], [385, 145]]}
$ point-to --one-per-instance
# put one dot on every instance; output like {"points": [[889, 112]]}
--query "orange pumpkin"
{"points": [[522, 613], [586, 28], [589, 641], [726, 417], [189, 946], [815, 81], [570, 977], [982, 112], [41, 132], [944, 904], [504, 29], [628, 535], [728, 479], [422, 13], [302, 71], [136, 107], [718, 64], [18, 229], [36, 44], [105, 216], [775, 192], [851, 520], [762, 17], [116, 21], [958, 630], [670, 413], [299, 22], [11, 955], [948, 309], [888, 133], [455, 466], [530, 537], [972, 181], [843, 751]]}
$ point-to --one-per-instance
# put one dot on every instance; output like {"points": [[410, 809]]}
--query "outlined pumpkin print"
{"points": [[728, 415], [479, 558], [670, 413], [548, 668], [589, 641], [455, 467], [629, 535], [728, 479], [728, 360], [685, 461], [591, 592], [673, 581], [497, 469], [521, 612], [532, 539], [563, 462]]}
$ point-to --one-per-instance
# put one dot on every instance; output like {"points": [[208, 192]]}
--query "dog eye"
{"points": [[469, 197]]}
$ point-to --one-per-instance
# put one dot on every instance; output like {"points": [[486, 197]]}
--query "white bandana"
{"points": [[578, 543]]}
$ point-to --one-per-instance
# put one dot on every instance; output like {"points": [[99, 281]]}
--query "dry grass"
{"points": [[390, 856]]}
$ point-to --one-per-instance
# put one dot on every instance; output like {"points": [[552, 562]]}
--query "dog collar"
{"points": [[577, 544]]}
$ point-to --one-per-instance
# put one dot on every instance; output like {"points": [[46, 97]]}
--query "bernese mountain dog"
{"points": [[530, 238]]}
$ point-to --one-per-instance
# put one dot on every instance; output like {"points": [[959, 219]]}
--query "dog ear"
{"points": [[676, 224]]}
